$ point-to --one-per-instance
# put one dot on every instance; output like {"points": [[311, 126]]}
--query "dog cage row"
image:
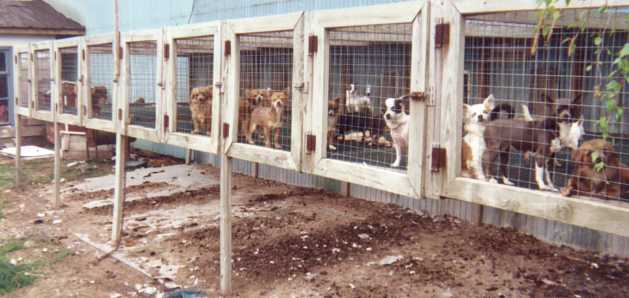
{"points": [[481, 102]]}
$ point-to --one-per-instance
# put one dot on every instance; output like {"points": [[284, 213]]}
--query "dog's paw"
{"points": [[251, 142], [493, 180], [566, 191], [332, 147], [506, 181], [548, 188], [278, 146], [395, 165]]}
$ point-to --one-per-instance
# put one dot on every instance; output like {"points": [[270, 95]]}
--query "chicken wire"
{"points": [[42, 74], [69, 79], [266, 73], [100, 67], [194, 69], [559, 81], [373, 63], [142, 83], [23, 75]]}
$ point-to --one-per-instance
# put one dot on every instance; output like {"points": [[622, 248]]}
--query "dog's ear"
{"points": [[577, 104], [489, 103], [582, 156]]}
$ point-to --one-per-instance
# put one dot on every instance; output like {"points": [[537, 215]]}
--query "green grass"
{"points": [[39, 172], [13, 277]]}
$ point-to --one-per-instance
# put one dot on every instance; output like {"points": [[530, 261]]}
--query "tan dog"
{"points": [[201, 109], [99, 99], [604, 182], [269, 118], [251, 99], [68, 94]]}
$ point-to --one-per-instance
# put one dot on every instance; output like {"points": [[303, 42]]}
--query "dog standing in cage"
{"points": [[355, 103], [252, 98], [99, 99], [201, 109], [396, 118], [270, 119], [334, 106], [68, 93]]}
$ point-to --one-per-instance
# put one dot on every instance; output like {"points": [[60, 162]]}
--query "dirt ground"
{"points": [[287, 242]]}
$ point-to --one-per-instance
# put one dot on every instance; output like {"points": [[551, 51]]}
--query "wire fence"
{"points": [[43, 79], [23, 76], [142, 83], [69, 79], [100, 67]]}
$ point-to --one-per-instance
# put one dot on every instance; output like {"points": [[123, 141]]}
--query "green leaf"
{"points": [[603, 9], [598, 40], [624, 52], [603, 124], [619, 114], [613, 86], [611, 105], [599, 166]]}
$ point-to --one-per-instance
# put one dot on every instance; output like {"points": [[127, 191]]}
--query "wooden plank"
{"points": [[297, 98], [606, 216], [371, 176], [57, 162], [18, 149], [492, 6], [226, 225], [119, 188], [403, 12], [264, 155], [110, 251], [27, 131], [265, 24]]}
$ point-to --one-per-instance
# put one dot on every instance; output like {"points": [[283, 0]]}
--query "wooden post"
{"points": [[188, 156], [119, 188], [18, 148], [226, 224], [57, 169]]}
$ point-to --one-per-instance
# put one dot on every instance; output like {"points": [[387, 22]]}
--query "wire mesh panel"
{"points": [[69, 79], [142, 83], [100, 80], [266, 70], [546, 111], [194, 80], [42, 74], [367, 65], [23, 74]]}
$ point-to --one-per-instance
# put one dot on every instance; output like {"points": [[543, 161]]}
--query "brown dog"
{"points": [[251, 99], [269, 118], [99, 99], [588, 179], [201, 109], [68, 94]]}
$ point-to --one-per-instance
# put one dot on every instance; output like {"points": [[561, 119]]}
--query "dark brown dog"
{"points": [[605, 182], [99, 99], [538, 136]]}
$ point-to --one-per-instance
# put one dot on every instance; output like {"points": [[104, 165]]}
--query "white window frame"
{"points": [[108, 125], [75, 42], [607, 216], [45, 115], [409, 182], [136, 131], [254, 153], [171, 136]]}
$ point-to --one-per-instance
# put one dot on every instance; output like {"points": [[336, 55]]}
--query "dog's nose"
{"points": [[387, 116]]}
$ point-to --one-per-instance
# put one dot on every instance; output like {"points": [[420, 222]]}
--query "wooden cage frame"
{"points": [[62, 117], [595, 214], [231, 29], [136, 131], [108, 125], [407, 183], [35, 112], [20, 110], [202, 143]]}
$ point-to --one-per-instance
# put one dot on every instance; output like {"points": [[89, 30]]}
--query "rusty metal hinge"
{"points": [[442, 35], [83, 54], [313, 44], [166, 51], [418, 96], [225, 130], [228, 48], [84, 109], [166, 122], [119, 114], [311, 143], [120, 53], [438, 159]]}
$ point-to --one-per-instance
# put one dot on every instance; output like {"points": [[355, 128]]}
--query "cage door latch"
{"points": [[418, 96], [442, 35], [225, 130], [313, 44], [438, 159]]}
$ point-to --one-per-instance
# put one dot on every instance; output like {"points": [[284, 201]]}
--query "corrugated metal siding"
{"points": [[134, 16]]}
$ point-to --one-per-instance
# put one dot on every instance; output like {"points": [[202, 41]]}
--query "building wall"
{"points": [[145, 14]]}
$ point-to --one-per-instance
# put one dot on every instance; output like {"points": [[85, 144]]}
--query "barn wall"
{"points": [[134, 16]]}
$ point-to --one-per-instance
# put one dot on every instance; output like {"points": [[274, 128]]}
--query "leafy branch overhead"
{"points": [[609, 87]]}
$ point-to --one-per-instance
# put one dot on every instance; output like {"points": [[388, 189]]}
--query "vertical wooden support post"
{"points": [[57, 165], [226, 224], [119, 188], [188, 156], [18, 149]]}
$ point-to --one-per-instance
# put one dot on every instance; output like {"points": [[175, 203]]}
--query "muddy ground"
{"points": [[288, 242]]}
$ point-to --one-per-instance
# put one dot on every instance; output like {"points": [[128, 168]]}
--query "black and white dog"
{"points": [[396, 117]]}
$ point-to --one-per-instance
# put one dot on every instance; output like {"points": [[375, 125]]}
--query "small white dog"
{"points": [[474, 117], [356, 103], [397, 119]]}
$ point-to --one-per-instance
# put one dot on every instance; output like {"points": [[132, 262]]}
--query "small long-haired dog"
{"points": [[99, 99], [598, 172], [397, 118], [269, 118], [251, 99], [334, 106], [201, 109], [68, 94]]}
